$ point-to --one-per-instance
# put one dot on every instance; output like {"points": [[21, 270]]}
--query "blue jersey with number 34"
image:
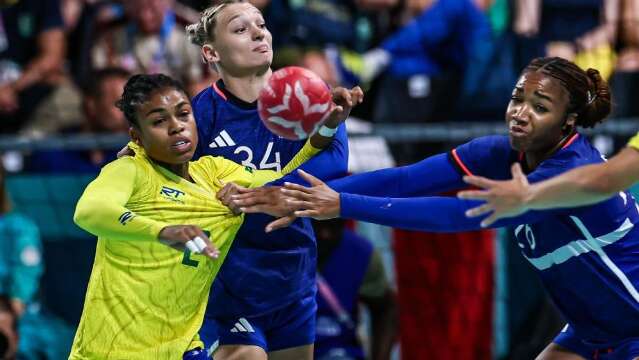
{"points": [[262, 272]]}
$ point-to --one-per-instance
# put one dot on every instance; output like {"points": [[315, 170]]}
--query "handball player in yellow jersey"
{"points": [[146, 300]]}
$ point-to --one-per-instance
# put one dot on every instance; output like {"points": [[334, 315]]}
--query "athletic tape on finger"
{"points": [[191, 246], [200, 243]]}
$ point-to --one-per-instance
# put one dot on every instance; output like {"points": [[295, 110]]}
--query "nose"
{"points": [[520, 114], [258, 33], [175, 126]]}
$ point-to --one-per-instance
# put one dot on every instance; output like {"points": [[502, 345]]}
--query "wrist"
{"points": [[327, 131]]}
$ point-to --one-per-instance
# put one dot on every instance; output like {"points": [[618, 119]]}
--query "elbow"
{"points": [[81, 215]]}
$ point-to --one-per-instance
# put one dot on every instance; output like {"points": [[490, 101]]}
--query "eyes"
{"points": [[243, 28], [183, 115], [537, 107]]}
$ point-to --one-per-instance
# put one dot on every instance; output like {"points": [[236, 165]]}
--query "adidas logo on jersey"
{"points": [[242, 325], [222, 140]]}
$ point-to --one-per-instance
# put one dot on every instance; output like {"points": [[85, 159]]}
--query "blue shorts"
{"points": [[623, 350], [290, 326]]}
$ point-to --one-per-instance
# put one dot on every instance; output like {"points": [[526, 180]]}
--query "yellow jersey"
{"points": [[634, 142], [146, 300]]}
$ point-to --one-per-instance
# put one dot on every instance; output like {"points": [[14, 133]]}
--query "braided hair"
{"points": [[203, 31], [139, 88], [588, 93]]}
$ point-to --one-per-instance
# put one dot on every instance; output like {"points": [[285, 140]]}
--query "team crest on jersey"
{"points": [[172, 194]]}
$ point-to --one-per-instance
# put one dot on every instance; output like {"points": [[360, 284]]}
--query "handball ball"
{"points": [[294, 103]]}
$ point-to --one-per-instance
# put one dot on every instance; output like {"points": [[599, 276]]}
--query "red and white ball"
{"points": [[294, 103]]}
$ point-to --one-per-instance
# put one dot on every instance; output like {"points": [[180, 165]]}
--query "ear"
{"points": [[209, 54], [89, 106], [570, 123], [135, 135]]}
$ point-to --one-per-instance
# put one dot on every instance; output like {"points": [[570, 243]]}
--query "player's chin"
{"points": [[518, 144]]}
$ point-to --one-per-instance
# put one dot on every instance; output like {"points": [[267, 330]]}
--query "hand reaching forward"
{"points": [[319, 201], [188, 236], [503, 198]]}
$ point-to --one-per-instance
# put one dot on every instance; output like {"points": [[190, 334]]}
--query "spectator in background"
{"points": [[32, 48], [592, 31], [303, 29], [351, 272], [40, 336], [100, 117], [151, 41], [423, 63]]}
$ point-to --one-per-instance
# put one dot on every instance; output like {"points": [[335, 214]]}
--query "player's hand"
{"points": [[503, 198], [266, 199], [319, 201], [126, 151], [344, 101], [190, 237], [225, 195]]}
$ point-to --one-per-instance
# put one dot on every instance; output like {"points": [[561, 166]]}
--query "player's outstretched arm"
{"points": [[581, 186], [441, 214], [102, 212]]}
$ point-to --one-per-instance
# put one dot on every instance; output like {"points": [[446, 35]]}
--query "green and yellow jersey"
{"points": [[146, 300], [634, 142]]}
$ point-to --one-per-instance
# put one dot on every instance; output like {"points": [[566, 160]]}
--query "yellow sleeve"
{"points": [[634, 142], [302, 156], [102, 210], [229, 171]]}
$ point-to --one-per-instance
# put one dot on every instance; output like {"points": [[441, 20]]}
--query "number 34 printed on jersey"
{"points": [[264, 163]]}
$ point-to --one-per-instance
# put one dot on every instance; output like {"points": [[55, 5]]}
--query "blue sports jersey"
{"points": [[587, 257], [262, 272]]}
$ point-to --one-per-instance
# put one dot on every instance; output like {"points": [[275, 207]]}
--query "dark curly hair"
{"points": [[589, 93], [139, 88]]}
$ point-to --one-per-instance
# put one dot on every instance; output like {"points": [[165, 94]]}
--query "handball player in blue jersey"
{"points": [[587, 257], [263, 299]]}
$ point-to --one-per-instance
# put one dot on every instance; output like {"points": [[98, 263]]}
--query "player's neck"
{"points": [[246, 88], [533, 159], [181, 170]]}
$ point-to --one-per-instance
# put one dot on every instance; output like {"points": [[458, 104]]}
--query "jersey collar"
{"points": [[224, 93]]}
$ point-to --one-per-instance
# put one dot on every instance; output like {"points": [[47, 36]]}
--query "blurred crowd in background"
{"points": [[63, 64]]}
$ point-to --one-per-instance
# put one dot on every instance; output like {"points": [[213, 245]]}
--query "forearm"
{"points": [[435, 214], [430, 176], [115, 222], [588, 184]]}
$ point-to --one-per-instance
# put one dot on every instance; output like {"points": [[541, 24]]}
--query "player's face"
{"points": [[242, 41], [536, 113], [167, 129]]}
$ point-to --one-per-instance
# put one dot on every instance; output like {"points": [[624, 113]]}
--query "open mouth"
{"points": [[517, 131], [181, 145]]}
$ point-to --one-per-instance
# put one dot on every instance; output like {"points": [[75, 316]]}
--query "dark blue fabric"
{"points": [[443, 38], [430, 176], [344, 272], [262, 272], [587, 257]]}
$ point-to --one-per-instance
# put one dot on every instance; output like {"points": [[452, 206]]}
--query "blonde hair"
{"points": [[202, 31]]}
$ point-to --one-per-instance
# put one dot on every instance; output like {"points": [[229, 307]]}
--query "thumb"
{"points": [[517, 173], [310, 178]]}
